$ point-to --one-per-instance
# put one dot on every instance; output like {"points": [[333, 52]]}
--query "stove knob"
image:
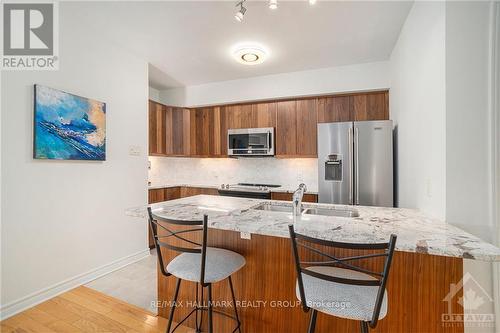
{"points": [[227, 186], [222, 186], [264, 188]]}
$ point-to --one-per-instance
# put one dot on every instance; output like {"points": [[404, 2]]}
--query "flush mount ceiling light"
{"points": [[312, 2], [273, 4], [249, 54]]}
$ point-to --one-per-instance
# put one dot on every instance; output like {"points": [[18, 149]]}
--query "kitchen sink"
{"points": [[274, 208], [341, 212], [332, 212]]}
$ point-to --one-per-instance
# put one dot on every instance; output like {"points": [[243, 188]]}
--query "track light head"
{"points": [[241, 12]]}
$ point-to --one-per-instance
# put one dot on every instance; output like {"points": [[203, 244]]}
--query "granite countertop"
{"points": [[155, 186], [416, 232], [281, 189]]}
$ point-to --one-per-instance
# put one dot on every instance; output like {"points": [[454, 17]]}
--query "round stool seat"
{"points": [[341, 300], [220, 264]]}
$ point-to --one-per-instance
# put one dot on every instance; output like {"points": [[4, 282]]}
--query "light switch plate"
{"points": [[246, 235], [134, 151]]}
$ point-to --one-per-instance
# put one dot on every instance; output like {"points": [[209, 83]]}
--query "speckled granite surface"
{"points": [[416, 232]]}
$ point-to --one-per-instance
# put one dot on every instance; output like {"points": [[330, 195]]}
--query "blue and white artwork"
{"points": [[68, 127]]}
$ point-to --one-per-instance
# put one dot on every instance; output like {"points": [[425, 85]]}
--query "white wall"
{"points": [[470, 121], [63, 222], [216, 171], [469, 118], [417, 106], [362, 77]]}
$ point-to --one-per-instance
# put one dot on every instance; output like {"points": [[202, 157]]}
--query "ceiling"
{"points": [[188, 43]]}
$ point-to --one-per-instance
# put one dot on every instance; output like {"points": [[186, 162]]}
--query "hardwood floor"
{"points": [[85, 310]]}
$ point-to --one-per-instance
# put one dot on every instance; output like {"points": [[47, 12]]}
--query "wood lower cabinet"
{"points": [[159, 195], [202, 132], [190, 191], [285, 196]]}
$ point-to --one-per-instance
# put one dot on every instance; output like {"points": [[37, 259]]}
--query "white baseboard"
{"points": [[12, 308]]}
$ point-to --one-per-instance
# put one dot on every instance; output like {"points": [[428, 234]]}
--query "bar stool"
{"points": [[198, 263], [337, 287]]}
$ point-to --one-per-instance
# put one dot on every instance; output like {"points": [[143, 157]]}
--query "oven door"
{"points": [[250, 142]]}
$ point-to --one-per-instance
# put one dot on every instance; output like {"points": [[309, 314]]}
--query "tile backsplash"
{"points": [[215, 171]]}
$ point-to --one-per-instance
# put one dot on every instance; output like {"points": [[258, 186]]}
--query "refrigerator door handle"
{"points": [[356, 162], [351, 179]]}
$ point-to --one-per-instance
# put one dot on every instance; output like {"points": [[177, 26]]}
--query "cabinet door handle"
{"points": [[356, 165], [351, 175]]}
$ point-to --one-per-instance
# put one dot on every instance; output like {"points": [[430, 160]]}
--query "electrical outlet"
{"points": [[245, 235], [300, 177], [134, 151]]}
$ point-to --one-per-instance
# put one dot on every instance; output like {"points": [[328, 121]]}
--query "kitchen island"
{"points": [[428, 258]]}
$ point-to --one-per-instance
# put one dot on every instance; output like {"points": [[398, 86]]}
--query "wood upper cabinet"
{"points": [[241, 116], [334, 109], [296, 127], [251, 115], [157, 129], [370, 106], [307, 127], [169, 130], [180, 137], [265, 114], [206, 127], [286, 129], [202, 132]]}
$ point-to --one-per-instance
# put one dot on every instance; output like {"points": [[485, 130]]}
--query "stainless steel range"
{"points": [[247, 190]]}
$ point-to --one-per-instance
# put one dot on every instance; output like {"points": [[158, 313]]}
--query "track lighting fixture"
{"points": [[241, 12], [273, 4]]}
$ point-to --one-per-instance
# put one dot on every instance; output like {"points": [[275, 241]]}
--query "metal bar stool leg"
{"points": [[171, 315], [198, 322], [364, 327], [312, 322], [210, 323], [234, 304]]}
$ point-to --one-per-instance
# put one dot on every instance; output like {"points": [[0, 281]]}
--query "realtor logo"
{"points": [[29, 36], [475, 301]]}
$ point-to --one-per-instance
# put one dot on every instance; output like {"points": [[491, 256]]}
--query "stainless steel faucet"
{"points": [[297, 199]]}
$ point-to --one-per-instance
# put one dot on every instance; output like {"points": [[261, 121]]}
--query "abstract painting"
{"points": [[68, 127]]}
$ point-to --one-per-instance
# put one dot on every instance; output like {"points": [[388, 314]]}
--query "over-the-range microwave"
{"points": [[250, 142]]}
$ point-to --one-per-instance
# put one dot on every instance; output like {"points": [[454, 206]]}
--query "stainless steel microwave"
{"points": [[250, 142]]}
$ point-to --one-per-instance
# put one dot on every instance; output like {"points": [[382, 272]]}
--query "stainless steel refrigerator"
{"points": [[355, 163]]}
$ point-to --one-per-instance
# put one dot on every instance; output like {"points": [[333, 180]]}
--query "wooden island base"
{"points": [[265, 288]]}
